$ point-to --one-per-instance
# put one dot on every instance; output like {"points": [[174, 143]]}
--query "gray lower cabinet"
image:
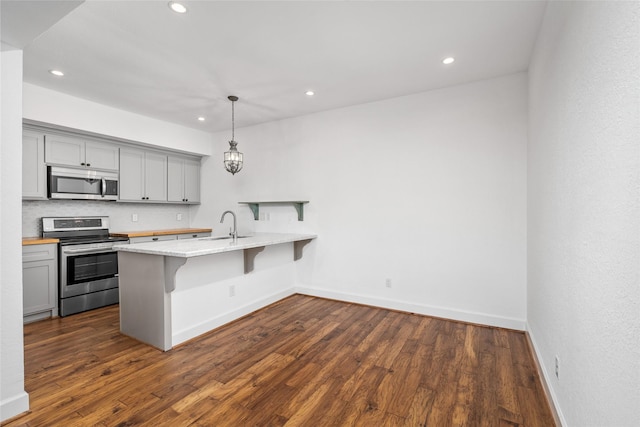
{"points": [[34, 169], [165, 237], [145, 239], [39, 281], [193, 236]]}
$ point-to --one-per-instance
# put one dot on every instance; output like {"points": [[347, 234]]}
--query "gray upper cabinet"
{"points": [[146, 174], [34, 170], [101, 155], [183, 180], [143, 176], [69, 151]]}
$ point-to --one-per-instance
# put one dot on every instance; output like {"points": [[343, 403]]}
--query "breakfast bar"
{"points": [[175, 290]]}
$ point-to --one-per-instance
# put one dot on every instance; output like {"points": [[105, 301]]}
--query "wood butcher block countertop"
{"points": [[26, 241], [161, 232]]}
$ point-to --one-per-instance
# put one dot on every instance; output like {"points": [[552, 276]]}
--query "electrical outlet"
{"points": [[388, 283], [179, 217], [557, 367], [232, 290], [134, 217]]}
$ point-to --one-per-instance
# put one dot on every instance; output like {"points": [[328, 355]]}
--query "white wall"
{"points": [[427, 190], [45, 105], [13, 399], [203, 300], [584, 209]]}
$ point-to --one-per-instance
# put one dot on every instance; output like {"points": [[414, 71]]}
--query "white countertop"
{"points": [[208, 245]]}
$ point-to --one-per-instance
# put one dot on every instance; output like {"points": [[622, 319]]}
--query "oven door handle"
{"points": [[103, 188], [86, 251]]}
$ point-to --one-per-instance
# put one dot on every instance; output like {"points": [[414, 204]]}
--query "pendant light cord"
{"points": [[233, 126]]}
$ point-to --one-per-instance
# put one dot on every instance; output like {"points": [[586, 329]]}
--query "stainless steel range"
{"points": [[88, 265]]}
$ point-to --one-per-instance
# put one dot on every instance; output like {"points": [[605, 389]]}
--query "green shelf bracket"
{"points": [[300, 208], [255, 207]]}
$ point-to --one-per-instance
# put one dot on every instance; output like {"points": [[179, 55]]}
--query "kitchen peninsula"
{"points": [[172, 291]]}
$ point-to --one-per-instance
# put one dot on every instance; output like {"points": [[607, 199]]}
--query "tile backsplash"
{"points": [[150, 216]]}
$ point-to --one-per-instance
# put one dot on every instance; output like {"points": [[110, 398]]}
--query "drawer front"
{"points": [[193, 236], [152, 238], [39, 252]]}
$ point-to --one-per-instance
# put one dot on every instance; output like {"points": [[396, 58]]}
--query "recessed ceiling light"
{"points": [[57, 73], [309, 93], [177, 7], [449, 60], [202, 119]]}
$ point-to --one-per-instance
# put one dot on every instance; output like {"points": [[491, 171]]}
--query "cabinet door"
{"points": [[155, 177], [175, 179], [61, 150], [39, 278], [192, 181], [34, 170], [132, 164], [38, 287], [100, 155]]}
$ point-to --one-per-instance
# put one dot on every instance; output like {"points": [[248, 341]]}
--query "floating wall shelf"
{"points": [[298, 204]]}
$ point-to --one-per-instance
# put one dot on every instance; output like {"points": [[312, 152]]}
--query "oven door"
{"points": [[85, 271]]}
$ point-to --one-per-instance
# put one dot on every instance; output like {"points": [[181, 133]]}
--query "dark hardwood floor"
{"points": [[303, 361]]}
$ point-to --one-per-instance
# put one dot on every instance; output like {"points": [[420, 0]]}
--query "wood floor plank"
{"points": [[420, 408], [301, 361], [363, 402]]}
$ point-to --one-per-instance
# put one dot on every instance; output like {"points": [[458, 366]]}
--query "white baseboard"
{"points": [[547, 380], [217, 321], [14, 405], [179, 337], [446, 313]]}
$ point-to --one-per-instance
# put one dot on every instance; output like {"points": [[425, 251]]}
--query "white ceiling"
{"points": [[22, 21], [142, 57]]}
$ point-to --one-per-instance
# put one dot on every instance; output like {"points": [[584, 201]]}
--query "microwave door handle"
{"points": [[104, 187]]}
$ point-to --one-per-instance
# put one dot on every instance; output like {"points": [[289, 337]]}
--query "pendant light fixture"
{"points": [[233, 158]]}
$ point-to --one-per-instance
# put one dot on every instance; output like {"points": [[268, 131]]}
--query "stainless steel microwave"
{"points": [[83, 184]]}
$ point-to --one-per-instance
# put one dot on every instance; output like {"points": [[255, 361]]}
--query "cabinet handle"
{"points": [[82, 164], [154, 238], [88, 164]]}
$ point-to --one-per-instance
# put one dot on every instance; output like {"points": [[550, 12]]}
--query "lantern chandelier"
{"points": [[233, 158]]}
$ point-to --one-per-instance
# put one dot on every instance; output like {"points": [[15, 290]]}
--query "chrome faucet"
{"points": [[233, 233]]}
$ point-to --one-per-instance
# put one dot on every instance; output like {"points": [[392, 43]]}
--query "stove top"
{"points": [[79, 230]]}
